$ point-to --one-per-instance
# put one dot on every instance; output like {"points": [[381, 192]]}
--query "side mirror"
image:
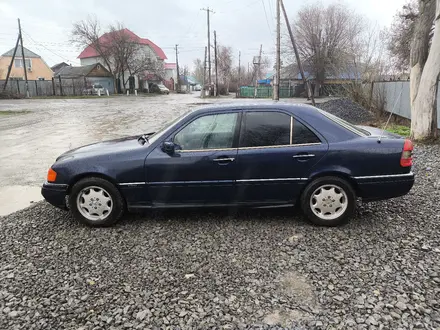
{"points": [[168, 147]]}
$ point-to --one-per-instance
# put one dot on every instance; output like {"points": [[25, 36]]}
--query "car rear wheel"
{"points": [[328, 201], [96, 202]]}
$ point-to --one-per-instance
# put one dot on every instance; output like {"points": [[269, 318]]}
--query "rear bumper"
{"points": [[55, 194], [374, 188]]}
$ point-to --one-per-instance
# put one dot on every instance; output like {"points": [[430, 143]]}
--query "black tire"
{"points": [[117, 202], [325, 182]]}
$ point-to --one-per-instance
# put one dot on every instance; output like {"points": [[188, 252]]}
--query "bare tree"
{"points": [[224, 59], [87, 33], [323, 35], [121, 53], [425, 71], [198, 70], [401, 33]]}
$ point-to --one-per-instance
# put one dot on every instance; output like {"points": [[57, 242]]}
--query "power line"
{"points": [[265, 14], [62, 57]]}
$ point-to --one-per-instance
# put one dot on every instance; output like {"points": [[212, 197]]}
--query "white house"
{"points": [[90, 56]]}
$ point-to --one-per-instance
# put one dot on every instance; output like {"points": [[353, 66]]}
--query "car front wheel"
{"points": [[96, 202], [328, 201]]}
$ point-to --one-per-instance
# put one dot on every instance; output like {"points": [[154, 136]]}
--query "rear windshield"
{"points": [[345, 124]]}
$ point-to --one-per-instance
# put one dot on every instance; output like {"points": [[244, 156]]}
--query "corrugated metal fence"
{"points": [[60, 87], [391, 91]]}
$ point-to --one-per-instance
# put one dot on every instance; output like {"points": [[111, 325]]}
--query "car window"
{"points": [[208, 132], [265, 129], [302, 135], [344, 123]]}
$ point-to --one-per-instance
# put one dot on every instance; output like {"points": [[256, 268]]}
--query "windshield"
{"points": [[345, 124], [98, 86], [165, 128]]}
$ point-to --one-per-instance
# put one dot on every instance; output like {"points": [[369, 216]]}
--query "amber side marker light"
{"points": [[51, 175]]}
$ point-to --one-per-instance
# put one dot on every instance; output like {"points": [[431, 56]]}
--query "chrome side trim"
{"points": [[249, 148], [281, 146], [190, 182], [55, 185], [132, 183], [385, 176], [276, 179]]}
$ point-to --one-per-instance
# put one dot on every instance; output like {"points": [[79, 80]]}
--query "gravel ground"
{"points": [[203, 269], [347, 110]]}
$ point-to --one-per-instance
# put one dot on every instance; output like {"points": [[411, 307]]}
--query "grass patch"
{"points": [[12, 112], [399, 129]]}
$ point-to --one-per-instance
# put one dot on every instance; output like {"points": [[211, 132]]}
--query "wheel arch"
{"points": [[81, 176], [339, 173]]}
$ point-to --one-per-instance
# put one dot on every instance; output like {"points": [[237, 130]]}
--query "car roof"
{"points": [[297, 108]]}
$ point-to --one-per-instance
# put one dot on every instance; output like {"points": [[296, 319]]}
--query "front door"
{"points": [[275, 156], [203, 168]]}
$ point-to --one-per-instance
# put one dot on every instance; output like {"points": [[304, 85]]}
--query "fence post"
{"points": [[36, 88], [61, 86], [73, 84], [53, 86], [18, 87], [371, 95]]}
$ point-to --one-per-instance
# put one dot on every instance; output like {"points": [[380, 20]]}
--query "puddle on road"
{"points": [[15, 198]]}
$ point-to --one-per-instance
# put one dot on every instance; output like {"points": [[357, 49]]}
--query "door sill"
{"points": [[213, 205]]}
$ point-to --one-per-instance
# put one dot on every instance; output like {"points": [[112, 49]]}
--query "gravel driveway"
{"points": [[252, 269]]}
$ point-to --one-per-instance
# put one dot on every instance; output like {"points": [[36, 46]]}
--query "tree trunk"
{"points": [[424, 121], [420, 46], [317, 88]]}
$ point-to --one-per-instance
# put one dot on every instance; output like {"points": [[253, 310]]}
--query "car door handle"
{"points": [[304, 156], [223, 160]]}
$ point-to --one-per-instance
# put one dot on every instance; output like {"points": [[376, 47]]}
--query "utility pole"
{"points": [[177, 68], [209, 44], [295, 49], [216, 63], [257, 70], [276, 85], [204, 75], [24, 60], [12, 63]]}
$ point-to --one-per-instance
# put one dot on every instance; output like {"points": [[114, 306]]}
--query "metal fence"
{"points": [[398, 91], [54, 87], [264, 92]]}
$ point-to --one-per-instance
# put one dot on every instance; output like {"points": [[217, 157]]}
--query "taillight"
{"points": [[406, 159]]}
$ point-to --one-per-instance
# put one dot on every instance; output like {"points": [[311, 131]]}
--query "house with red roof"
{"points": [[140, 81]]}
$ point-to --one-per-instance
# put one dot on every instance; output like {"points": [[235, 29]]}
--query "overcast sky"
{"points": [[240, 24]]}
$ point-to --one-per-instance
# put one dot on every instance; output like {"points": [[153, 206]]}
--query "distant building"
{"points": [[90, 56], [36, 67], [88, 75], [58, 67]]}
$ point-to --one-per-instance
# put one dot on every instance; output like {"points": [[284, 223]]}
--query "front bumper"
{"points": [[55, 194], [382, 187]]}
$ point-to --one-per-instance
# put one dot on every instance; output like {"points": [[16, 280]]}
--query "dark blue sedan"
{"points": [[259, 155]]}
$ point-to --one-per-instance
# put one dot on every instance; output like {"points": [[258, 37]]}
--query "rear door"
{"points": [[275, 155]]}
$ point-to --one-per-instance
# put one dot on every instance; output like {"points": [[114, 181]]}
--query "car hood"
{"points": [[375, 132], [104, 148]]}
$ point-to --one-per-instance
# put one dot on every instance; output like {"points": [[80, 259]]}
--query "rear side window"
{"points": [[265, 129], [302, 135]]}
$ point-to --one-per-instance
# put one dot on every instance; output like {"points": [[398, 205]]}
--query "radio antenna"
{"points": [[389, 117]]}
